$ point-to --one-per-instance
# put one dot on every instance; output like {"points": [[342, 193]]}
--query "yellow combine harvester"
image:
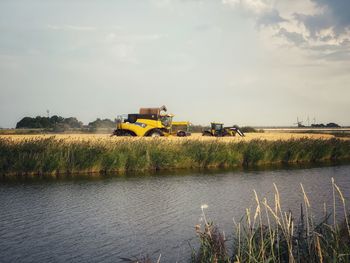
{"points": [[151, 122]]}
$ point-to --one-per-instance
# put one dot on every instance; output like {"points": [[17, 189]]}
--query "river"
{"points": [[103, 219]]}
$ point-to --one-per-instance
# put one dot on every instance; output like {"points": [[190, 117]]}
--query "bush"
{"points": [[248, 129]]}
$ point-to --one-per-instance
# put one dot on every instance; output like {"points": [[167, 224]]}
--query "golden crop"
{"points": [[270, 136]]}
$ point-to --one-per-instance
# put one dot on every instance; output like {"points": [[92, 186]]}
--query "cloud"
{"points": [[293, 37], [254, 7], [341, 55], [330, 27], [309, 24], [260, 10], [336, 13], [270, 17], [334, 18]]}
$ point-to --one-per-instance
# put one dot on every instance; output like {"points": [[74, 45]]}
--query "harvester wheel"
{"points": [[181, 134], [118, 133], [123, 133], [156, 133], [128, 134]]}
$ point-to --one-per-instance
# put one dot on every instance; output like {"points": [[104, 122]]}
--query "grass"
{"points": [[49, 155], [268, 234]]}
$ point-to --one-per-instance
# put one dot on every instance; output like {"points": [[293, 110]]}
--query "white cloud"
{"points": [[306, 24], [254, 6]]}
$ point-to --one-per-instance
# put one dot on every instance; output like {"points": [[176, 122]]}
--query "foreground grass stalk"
{"points": [[343, 203], [308, 228], [281, 240]]}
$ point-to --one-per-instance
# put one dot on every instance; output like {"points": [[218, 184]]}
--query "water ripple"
{"points": [[104, 220]]}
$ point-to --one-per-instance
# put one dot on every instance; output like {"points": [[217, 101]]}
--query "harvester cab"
{"points": [[217, 128]]}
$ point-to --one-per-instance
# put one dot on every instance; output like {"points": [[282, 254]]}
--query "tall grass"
{"points": [[268, 234], [53, 156]]}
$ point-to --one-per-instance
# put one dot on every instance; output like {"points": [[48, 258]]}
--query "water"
{"points": [[105, 219]]}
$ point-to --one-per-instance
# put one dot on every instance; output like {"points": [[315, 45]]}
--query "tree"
{"points": [[73, 122], [57, 123], [332, 125], [98, 123]]}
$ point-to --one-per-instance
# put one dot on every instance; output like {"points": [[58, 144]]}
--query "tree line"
{"points": [[58, 123]]}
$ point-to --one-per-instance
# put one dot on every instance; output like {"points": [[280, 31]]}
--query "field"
{"points": [[66, 154], [270, 136]]}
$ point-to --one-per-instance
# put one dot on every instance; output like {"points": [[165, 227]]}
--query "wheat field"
{"points": [[271, 136]]}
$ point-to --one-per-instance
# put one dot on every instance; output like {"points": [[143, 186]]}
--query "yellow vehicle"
{"points": [[181, 128], [218, 130], [151, 122]]}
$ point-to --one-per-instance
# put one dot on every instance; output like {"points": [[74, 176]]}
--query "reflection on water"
{"points": [[102, 219]]}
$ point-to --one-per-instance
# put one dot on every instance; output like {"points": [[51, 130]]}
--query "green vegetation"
{"points": [[328, 125], [247, 129], [99, 124], [52, 156], [198, 128], [57, 123], [268, 234]]}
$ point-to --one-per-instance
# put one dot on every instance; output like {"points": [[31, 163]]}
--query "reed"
{"points": [[56, 156], [268, 234]]}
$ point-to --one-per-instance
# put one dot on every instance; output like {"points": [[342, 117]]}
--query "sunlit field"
{"points": [[271, 136]]}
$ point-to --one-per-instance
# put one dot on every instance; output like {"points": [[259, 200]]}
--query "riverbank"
{"points": [[52, 155]]}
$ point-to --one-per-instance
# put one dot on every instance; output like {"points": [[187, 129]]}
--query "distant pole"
{"points": [[308, 120], [48, 113]]}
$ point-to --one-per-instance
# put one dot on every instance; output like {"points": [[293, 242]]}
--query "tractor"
{"points": [[152, 122], [218, 130]]}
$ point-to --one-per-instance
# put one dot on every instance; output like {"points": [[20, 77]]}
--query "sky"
{"points": [[244, 62]]}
